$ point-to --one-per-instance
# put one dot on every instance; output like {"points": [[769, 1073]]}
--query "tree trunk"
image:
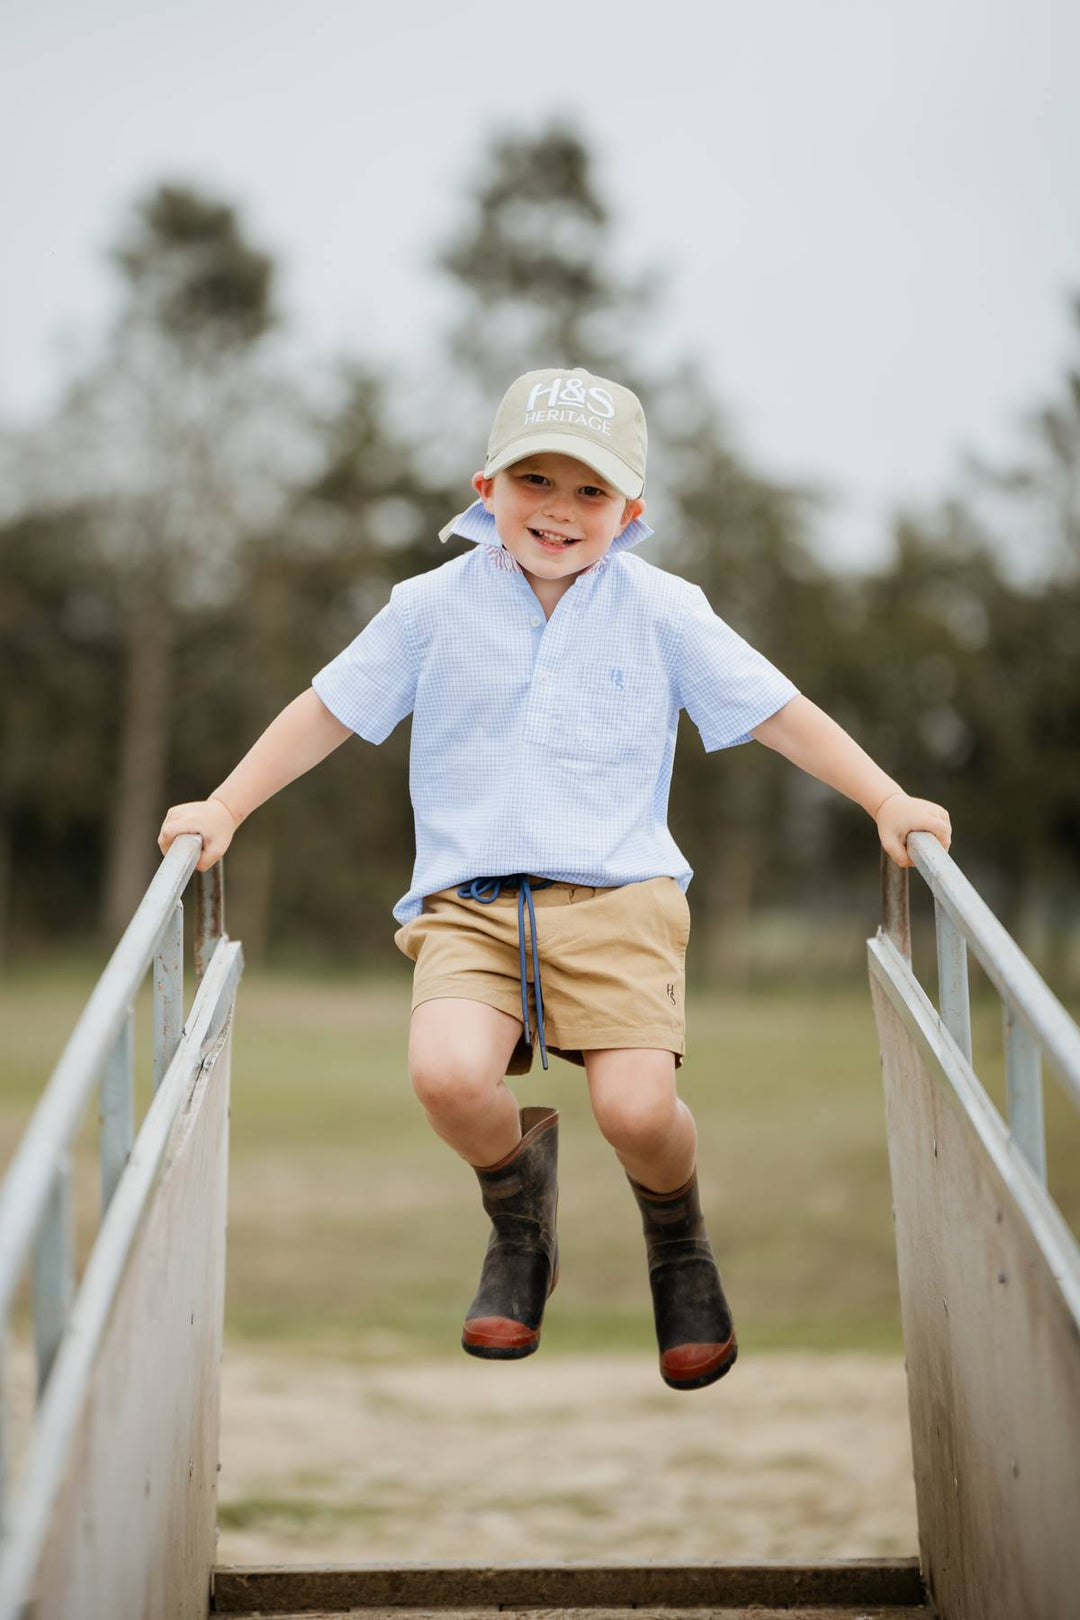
{"points": [[138, 805]]}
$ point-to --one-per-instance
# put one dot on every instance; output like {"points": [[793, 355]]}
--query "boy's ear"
{"points": [[483, 487], [631, 511]]}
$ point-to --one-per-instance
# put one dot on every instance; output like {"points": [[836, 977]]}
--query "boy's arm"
{"points": [[812, 740], [303, 734]]}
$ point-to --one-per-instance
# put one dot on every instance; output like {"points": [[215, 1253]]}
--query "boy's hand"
{"points": [[900, 814], [210, 818]]}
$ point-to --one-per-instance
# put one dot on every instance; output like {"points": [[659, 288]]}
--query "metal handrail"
{"points": [[1034, 1018], [60, 1404], [58, 1115], [36, 1220]]}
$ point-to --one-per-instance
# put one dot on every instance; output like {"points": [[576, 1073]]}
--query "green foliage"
{"points": [[179, 570], [533, 261], [190, 274], [59, 679]]}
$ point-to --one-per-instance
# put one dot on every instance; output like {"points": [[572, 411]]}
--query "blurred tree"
{"points": [[195, 541], [326, 860], [59, 685], [533, 263], [967, 686], [168, 435], [1040, 491], [742, 817], [1034, 508]]}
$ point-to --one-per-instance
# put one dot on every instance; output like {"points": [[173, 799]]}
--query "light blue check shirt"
{"points": [[545, 746]]}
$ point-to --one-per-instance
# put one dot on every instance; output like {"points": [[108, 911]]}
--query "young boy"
{"points": [[545, 670]]}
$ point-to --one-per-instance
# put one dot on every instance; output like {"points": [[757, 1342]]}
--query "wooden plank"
{"points": [[847, 1612], [283, 1589]]}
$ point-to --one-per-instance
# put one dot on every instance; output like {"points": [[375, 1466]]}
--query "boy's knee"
{"points": [[635, 1123], [445, 1086]]}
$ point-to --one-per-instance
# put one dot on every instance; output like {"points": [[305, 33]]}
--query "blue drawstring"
{"points": [[519, 881]]}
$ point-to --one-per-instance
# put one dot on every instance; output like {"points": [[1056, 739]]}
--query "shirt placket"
{"points": [[547, 717]]}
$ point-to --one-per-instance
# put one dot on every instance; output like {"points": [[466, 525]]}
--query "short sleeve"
{"points": [[726, 686], [371, 685]]}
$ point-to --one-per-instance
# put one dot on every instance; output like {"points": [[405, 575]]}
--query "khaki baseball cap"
{"points": [[576, 414]]}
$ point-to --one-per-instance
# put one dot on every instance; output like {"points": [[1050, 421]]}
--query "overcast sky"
{"points": [[868, 211]]}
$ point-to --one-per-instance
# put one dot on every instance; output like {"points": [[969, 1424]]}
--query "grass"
{"points": [[297, 1512], [353, 1229]]}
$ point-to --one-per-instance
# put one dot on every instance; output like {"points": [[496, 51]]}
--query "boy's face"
{"points": [[544, 499]]}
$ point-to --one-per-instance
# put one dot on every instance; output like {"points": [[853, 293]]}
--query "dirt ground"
{"points": [[789, 1457]]}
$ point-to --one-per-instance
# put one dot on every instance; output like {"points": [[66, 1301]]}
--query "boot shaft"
{"points": [[524, 1184], [670, 1216], [520, 1193]]}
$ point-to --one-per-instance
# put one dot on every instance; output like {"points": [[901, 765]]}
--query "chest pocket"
{"points": [[615, 718]]}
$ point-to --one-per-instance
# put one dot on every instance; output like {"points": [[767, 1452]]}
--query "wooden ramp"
{"points": [[113, 1511], [855, 1589]]}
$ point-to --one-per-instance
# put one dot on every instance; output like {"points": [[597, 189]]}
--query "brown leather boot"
{"points": [[521, 1267], [693, 1323]]}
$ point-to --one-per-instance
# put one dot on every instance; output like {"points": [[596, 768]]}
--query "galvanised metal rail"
{"points": [[1034, 1019], [36, 1207]]}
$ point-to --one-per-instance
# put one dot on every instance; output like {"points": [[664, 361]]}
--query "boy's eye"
{"points": [[539, 478]]}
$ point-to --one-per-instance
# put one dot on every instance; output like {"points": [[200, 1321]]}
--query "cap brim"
{"points": [[610, 466]]}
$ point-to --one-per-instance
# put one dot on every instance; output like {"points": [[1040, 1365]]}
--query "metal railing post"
{"points": [[117, 1109], [952, 967], [169, 994], [1023, 1082], [209, 916], [895, 916]]}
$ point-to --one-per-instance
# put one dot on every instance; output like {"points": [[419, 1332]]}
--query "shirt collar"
{"points": [[476, 523]]}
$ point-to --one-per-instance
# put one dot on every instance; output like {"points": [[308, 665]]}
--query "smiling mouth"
{"points": [[553, 541]]}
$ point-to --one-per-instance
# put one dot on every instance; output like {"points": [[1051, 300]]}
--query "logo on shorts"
{"points": [[671, 994]]}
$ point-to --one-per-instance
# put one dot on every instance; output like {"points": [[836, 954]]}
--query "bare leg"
{"points": [[458, 1052], [635, 1104]]}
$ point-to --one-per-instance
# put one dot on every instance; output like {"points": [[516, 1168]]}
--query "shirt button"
{"points": [[543, 676], [535, 620]]}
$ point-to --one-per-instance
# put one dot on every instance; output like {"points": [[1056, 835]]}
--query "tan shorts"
{"points": [[612, 963]]}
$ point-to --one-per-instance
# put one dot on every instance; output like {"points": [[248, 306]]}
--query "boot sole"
{"points": [[504, 1352], [704, 1378], [493, 1352]]}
